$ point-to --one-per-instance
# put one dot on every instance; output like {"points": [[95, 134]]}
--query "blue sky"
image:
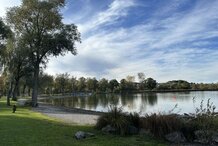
{"points": [[170, 39]]}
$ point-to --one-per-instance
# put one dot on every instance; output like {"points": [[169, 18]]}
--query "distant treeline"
{"points": [[64, 83]]}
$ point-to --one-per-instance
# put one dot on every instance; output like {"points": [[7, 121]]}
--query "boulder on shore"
{"points": [[176, 137], [82, 135], [109, 129]]}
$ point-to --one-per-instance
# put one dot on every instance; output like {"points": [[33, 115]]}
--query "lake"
{"points": [[140, 102]]}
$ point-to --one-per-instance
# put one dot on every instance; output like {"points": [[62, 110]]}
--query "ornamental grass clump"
{"points": [[134, 119], [116, 118], [159, 124]]}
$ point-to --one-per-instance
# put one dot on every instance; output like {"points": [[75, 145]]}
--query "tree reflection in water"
{"points": [[137, 102]]}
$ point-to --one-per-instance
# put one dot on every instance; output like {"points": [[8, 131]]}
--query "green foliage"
{"points": [[113, 84], [81, 84], [204, 86], [150, 83], [103, 85], [42, 33], [92, 84], [175, 84], [61, 82], [74, 83], [128, 84], [46, 83], [5, 32], [123, 85]]}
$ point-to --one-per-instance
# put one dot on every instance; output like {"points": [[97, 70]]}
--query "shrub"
{"points": [[204, 120], [202, 123], [159, 124], [116, 118], [205, 116], [134, 119]]}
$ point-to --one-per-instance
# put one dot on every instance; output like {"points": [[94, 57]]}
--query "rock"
{"points": [[22, 102], [144, 132], [133, 130], [175, 137], [81, 135], [215, 137], [109, 129], [89, 134], [203, 136]]}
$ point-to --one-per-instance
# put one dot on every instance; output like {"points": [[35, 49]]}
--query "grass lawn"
{"points": [[28, 128]]}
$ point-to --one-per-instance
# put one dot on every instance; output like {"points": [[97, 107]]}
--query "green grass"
{"points": [[28, 128]]}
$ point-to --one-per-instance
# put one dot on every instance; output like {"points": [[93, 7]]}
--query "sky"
{"points": [[166, 40]]}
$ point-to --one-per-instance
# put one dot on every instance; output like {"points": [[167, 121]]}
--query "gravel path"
{"points": [[71, 116]]}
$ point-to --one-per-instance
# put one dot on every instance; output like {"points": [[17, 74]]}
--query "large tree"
{"points": [[103, 85], [81, 84], [46, 83], [113, 84], [141, 78], [62, 81], [92, 84], [38, 23], [150, 83], [5, 33]]}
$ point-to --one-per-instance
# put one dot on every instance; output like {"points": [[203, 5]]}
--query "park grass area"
{"points": [[29, 128]]}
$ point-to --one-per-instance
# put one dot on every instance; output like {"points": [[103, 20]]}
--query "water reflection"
{"points": [[139, 102]]}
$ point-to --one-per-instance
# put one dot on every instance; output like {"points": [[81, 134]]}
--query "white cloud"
{"points": [[191, 26], [116, 10], [172, 52]]}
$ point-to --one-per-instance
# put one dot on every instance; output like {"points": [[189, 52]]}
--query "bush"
{"points": [[134, 119], [204, 120], [205, 116], [159, 125], [115, 118]]}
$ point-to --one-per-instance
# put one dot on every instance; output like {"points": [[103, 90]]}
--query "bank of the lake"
{"points": [[30, 128]]}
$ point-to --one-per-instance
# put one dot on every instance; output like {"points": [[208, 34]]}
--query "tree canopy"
{"points": [[41, 32]]}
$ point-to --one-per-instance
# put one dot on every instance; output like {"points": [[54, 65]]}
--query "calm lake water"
{"points": [[140, 102]]}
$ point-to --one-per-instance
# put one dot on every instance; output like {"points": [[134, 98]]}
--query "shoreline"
{"points": [[81, 116], [164, 91], [128, 92], [69, 115]]}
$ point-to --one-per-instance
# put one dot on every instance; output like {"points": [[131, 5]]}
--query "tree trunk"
{"points": [[35, 86], [24, 88], [8, 101], [9, 93], [29, 91], [18, 90], [15, 92]]}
